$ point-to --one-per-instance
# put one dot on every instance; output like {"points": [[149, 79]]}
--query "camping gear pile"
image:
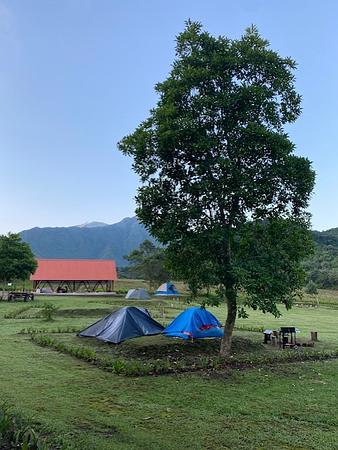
{"points": [[286, 338]]}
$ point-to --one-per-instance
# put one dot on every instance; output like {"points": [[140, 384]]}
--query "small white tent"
{"points": [[138, 294]]}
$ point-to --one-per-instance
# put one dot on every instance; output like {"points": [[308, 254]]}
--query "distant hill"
{"points": [[96, 242]]}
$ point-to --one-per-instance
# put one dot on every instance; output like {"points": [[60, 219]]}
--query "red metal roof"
{"points": [[75, 270]]}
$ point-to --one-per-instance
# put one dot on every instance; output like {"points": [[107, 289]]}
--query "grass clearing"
{"points": [[292, 406]]}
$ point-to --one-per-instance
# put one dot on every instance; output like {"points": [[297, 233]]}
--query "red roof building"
{"points": [[72, 275]]}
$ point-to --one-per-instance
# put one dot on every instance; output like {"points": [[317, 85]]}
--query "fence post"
{"points": [[314, 336]]}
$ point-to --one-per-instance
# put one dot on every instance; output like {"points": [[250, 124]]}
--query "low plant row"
{"points": [[45, 311], [17, 312], [283, 356], [60, 330], [165, 366], [249, 328], [116, 365], [15, 434], [328, 305]]}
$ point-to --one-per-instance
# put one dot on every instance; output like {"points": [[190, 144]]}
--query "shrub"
{"points": [[118, 366], [47, 312], [14, 433]]}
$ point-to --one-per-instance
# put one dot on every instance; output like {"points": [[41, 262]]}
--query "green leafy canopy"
{"points": [[148, 262], [17, 261], [221, 185]]}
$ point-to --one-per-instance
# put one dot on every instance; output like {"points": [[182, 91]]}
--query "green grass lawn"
{"points": [[289, 406], [324, 320]]}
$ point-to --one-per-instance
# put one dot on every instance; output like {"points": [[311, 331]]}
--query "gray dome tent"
{"points": [[138, 294], [125, 323]]}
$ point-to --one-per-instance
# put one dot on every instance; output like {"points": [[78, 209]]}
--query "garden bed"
{"points": [[161, 357]]}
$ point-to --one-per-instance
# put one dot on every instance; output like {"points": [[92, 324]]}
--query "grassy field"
{"points": [[288, 406]]}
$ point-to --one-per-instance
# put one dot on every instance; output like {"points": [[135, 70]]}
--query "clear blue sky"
{"points": [[77, 75]]}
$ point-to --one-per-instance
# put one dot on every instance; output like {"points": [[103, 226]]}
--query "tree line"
{"points": [[321, 266]]}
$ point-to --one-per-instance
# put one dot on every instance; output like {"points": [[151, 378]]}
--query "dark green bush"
{"points": [[15, 434]]}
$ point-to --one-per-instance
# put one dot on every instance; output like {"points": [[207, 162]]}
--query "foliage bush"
{"points": [[47, 311], [15, 434]]}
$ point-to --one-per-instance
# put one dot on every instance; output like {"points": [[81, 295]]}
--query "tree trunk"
{"points": [[230, 322]]}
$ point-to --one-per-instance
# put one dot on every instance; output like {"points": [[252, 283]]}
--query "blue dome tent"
{"points": [[194, 323], [167, 290]]}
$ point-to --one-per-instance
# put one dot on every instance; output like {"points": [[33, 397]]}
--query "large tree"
{"points": [[221, 185], [17, 261], [148, 262]]}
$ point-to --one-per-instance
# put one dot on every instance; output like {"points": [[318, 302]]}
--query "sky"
{"points": [[78, 75]]}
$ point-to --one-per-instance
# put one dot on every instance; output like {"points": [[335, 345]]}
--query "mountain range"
{"points": [[93, 240], [98, 240]]}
